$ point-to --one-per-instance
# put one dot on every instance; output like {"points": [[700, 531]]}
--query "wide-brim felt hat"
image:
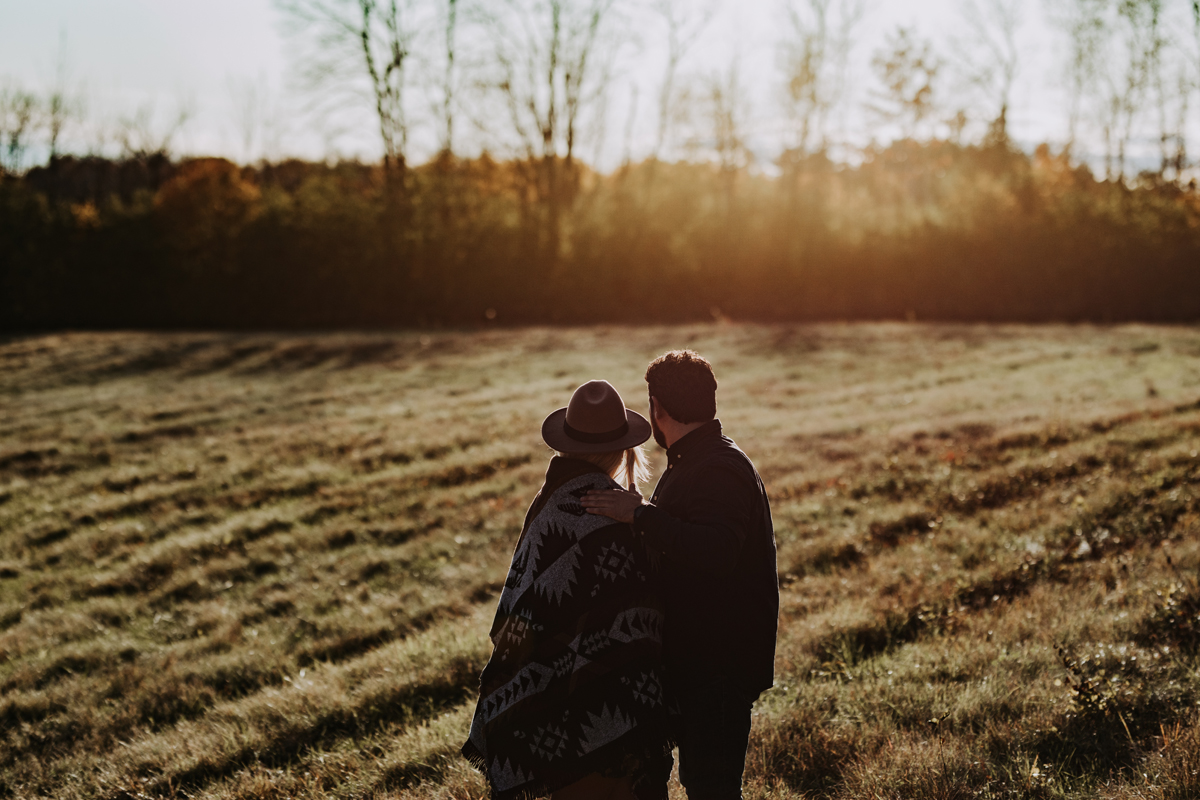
{"points": [[595, 421]]}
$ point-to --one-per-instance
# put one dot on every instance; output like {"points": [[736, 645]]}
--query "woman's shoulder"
{"points": [[571, 492]]}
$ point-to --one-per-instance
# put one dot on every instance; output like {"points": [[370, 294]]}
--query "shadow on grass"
{"points": [[408, 705], [804, 751]]}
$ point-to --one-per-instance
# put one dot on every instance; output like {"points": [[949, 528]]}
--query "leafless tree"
{"points": [[630, 119], [1174, 105], [61, 109], [1116, 61], [684, 24], [815, 53], [990, 57], [250, 101], [1132, 60], [1177, 79], [715, 112], [449, 78], [1188, 82], [552, 63], [1129, 72], [144, 133], [354, 45], [908, 70], [727, 115], [18, 116], [1085, 26], [64, 105]]}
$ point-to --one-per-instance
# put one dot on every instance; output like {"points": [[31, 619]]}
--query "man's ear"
{"points": [[659, 413]]}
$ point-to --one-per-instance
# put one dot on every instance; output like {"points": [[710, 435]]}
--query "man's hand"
{"points": [[618, 505]]}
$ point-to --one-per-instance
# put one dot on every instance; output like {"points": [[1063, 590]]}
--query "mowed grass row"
{"points": [[264, 566]]}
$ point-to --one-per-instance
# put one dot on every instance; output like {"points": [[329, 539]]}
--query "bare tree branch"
{"points": [[551, 62], [684, 26], [18, 116], [815, 53], [143, 133], [64, 106], [448, 81], [352, 42], [989, 57], [908, 69], [1085, 24]]}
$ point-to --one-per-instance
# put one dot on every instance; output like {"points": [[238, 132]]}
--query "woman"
{"points": [[571, 700]]}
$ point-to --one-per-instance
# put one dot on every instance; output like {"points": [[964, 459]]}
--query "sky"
{"points": [[150, 60]]}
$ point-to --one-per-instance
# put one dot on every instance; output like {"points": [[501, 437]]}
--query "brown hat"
{"points": [[596, 421]]}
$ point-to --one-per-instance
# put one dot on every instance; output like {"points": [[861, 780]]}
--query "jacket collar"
{"points": [[689, 442], [563, 469]]}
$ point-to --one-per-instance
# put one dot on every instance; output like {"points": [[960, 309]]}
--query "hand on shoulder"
{"points": [[617, 504]]}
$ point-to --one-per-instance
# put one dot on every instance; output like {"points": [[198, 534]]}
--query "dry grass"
{"points": [[263, 566]]}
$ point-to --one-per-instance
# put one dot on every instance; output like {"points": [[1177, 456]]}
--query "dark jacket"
{"points": [[710, 520]]}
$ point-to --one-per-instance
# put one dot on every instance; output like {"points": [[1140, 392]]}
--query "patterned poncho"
{"points": [[574, 684]]}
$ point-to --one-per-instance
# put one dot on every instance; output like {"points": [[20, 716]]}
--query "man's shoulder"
{"points": [[723, 453], [728, 449]]}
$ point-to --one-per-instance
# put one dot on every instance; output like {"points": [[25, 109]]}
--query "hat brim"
{"points": [[554, 434]]}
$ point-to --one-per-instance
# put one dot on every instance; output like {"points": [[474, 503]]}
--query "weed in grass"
{"points": [[1175, 622]]}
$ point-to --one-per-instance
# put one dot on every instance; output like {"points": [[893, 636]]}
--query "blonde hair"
{"points": [[630, 468]]}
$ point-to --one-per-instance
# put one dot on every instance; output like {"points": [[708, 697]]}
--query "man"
{"points": [[710, 522]]}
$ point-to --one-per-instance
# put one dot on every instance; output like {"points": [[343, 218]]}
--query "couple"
{"points": [[625, 625]]}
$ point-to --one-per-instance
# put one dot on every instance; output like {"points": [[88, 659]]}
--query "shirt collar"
{"points": [[688, 441]]}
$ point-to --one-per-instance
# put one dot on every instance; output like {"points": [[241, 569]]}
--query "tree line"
{"points": [[925, 230], [950, 220]]}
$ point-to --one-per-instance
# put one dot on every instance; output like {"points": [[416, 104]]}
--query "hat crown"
{"points": [[596, 407], [596, 421]]}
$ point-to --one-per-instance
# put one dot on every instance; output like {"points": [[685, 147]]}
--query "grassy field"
{"points": [[263, 566]]}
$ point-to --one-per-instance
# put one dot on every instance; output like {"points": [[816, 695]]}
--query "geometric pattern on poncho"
{"points": [[574, 683]]}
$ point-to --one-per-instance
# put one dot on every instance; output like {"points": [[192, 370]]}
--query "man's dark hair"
{"points": [[682, 381]]}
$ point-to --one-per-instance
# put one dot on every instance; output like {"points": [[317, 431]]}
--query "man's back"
{"points": [[712, 522]]}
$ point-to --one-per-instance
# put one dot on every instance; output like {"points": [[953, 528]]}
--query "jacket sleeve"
{"points": [[710, 538]]}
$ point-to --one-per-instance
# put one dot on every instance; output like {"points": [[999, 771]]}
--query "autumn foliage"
{"points": [[931, 230]]}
